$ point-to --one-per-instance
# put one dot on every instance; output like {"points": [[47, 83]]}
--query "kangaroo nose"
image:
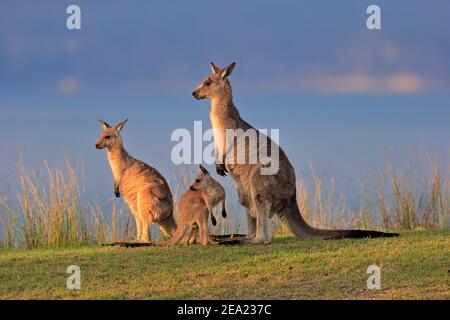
{"points": [[97, 145], [193, 94]]}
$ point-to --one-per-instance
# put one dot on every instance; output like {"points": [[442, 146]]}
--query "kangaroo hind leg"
{"points": [[138, 220], [146, 216], [263, 230], [203, 229], [251, 225]]}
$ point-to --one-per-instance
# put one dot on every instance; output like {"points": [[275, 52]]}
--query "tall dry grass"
{"points": [[52, 211], [407, 201], [399, 197]]}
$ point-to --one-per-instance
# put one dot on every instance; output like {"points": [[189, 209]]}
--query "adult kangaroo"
{"points": [[262, 195], [144, 189]]}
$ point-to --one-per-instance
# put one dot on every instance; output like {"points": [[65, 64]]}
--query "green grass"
{"points": [[414, 266]]}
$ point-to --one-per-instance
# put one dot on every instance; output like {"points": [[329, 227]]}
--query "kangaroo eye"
{"points": [[107, 137], [197, 180], [207, 83]]}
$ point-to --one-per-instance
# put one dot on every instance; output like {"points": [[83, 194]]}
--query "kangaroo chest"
{"points": [[116, 166], [218, 123], [218, 127]]}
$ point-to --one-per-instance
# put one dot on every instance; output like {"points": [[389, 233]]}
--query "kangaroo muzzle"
{"points": [[197, 95], [99, 145]]}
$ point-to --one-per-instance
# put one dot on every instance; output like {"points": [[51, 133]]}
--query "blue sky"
{"points": [[340, 94]]}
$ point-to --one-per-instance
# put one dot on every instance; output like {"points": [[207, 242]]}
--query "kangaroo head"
{"points": [[215, 85], [203, 181], [110, 137]]}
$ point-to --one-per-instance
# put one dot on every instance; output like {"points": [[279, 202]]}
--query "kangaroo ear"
{"points": [[204, 170], [120, 125], [103, 124], [228, 70], [215, 69]]}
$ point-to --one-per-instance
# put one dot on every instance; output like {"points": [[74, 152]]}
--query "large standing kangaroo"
{"points": [[262, 195], [144, 189]]}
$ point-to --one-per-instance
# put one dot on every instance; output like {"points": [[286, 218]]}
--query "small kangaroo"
{"points": [[262, 195], [194, 208], [213, 193], [144, 189]]}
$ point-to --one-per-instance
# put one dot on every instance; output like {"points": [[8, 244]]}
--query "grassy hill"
{"points": [[414, 266]]}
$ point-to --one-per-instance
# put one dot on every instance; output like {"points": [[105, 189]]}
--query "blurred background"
{"points": [[345, 98]]}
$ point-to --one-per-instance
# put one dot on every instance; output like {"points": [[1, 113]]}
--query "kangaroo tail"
{"points": [[179, 235], [297, 225]]}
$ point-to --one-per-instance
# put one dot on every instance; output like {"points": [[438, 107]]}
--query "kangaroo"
{"points": [[212, 191], [263, 196], [144, 189], [195, 206]]}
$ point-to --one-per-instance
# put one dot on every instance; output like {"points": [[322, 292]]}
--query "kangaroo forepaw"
{"points": [[117, 193], [221, 170], [213, 220]]}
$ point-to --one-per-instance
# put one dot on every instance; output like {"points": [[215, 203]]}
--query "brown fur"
{"points": [[262, 195], [144, 189], [194, 208]]}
